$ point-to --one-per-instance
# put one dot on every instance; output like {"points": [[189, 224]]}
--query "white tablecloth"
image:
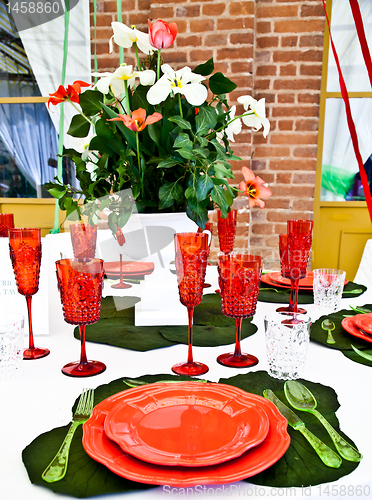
{"points": [[42, 397]]}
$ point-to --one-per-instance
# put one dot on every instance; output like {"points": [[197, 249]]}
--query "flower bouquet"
{"points": [[162, 134]]}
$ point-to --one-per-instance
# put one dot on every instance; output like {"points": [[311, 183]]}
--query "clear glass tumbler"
{"points": [[328, 286]]}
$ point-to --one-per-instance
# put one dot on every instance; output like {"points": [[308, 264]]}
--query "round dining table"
{"points": [[41, 399]]}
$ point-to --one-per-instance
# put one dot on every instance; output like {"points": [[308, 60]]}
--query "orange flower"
{"points": [[138, 120], [253, 188], [71, 93], [162, 34]]}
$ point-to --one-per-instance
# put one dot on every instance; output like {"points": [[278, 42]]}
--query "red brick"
{"points": [[142, 5], [279, 203], [286, 98], [188, 11], [213, 9], [306, 125], [285, 124], [127, 6], [201, 25], [241, 67], [240, 38], [103, 19], [289, 41], [308, 98], [245, 8], [263, 27], [230, 53], [271, 152], [262, 229], [201, 55], [161, 13], [192, 41], [261, 84], [297, 84], [302, 204], [266, 70], [174, 56], [293, 164], [264, 42], [270, 12], [275, 216], [288, 70], [279, 138], [303, 178], [311, 41], [284, 178], [244, 23], [305, 152], [311, 69], [215, 39], [303, 111], [299, 26], [297, 55], [312, 11]]}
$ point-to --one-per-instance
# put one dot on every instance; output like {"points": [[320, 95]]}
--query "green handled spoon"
{"points": [[329, 326], [302, 399]]}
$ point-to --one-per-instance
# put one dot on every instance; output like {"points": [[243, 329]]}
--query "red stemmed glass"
{"points": [[299, 237], [25, 254], [119, 236], [6, 223], [191, 261], [239, 277], [84, 240], [226, 231], [80, 285], [209, 228]]}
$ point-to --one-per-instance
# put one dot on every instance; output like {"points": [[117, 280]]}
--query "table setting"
{"points": [[264, 406]]}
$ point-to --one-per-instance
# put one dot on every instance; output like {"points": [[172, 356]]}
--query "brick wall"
{"points": [[271, 49]]}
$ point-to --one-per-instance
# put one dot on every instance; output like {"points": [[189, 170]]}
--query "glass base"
{"points": [[242, 361], [300, 310], [121, 286], [206, 285], [35, 353], [89, 369], [190, 368]]}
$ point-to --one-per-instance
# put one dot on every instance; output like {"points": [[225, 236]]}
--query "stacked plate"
{"points": [[277, 280], [131, 269], [186, 434], [359, 325]]}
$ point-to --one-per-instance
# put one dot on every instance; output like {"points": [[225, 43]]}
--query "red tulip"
{"points": [[162, 34], [253, 188], [138, 120], [71, 93]]}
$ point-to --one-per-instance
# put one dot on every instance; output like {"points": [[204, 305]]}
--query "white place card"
{"points": [[12, 301]]}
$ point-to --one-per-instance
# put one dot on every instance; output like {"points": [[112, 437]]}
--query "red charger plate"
{"points": [[348, 324], [103, 450], [187, 424], [265, 278]]}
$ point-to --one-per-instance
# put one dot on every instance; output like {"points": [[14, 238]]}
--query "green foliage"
{"points": [[178, 154]]}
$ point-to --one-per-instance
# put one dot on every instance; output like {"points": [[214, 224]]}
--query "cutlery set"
{"points": [[302, 399]]}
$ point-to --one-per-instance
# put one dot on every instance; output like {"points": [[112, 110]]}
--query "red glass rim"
{"points": [[299, 226], [198, 240], [230, 215], [21, 232], [81, 266]]}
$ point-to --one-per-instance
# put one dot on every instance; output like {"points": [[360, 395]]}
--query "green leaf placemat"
{"points": [[300, 465], [268, 293], [343, 339], [116, 327]]}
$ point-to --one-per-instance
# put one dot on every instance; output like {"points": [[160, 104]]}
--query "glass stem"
{"points": [[83, 354], [291, 298], [238, 323], [190, 312], [295, 295], [30, 333], [121, 269]]}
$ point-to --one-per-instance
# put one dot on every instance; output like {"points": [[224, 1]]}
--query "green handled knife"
{"points": [[327, 456]]}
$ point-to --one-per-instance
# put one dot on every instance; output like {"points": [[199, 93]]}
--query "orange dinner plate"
{"points": [[265, 278], [187, 424], [364, 322], [105, 451], [131, 269], [349, 325]]}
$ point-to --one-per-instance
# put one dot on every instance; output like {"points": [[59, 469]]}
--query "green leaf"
{"points": [[129, 135], [218, 196], [190, 193], [168, 162], [221, 172], [220, 84], [205, 120], [56, 191], [200, 216], [182, 123], [205, 69], [203, 186], [105, 133], [186, 153], [90, 102], [79, 127], [182, 141], [168, 193]]}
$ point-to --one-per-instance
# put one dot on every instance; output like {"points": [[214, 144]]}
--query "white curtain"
{"points": [[339, 164], [44, 48]]}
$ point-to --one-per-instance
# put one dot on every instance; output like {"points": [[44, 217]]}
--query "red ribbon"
{"points": [[362, 37], [350, 121]]}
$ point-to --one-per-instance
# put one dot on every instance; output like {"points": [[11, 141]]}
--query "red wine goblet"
{"points": [[25, 254], [239, 277], [80, 285], [191, 261], [6, 223], [119, 236], [84, 240]]}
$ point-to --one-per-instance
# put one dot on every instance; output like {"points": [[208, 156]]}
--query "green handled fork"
{"points": [[57, 468]]}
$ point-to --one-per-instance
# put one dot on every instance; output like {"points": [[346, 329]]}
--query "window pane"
{"points": [[348, 48], [340, 172]]}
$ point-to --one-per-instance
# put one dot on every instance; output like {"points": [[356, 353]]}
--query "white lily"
{"points": [[183, 81], [81, 144], [234, 127], [257, 119], [123, 74], [125, 37]]}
